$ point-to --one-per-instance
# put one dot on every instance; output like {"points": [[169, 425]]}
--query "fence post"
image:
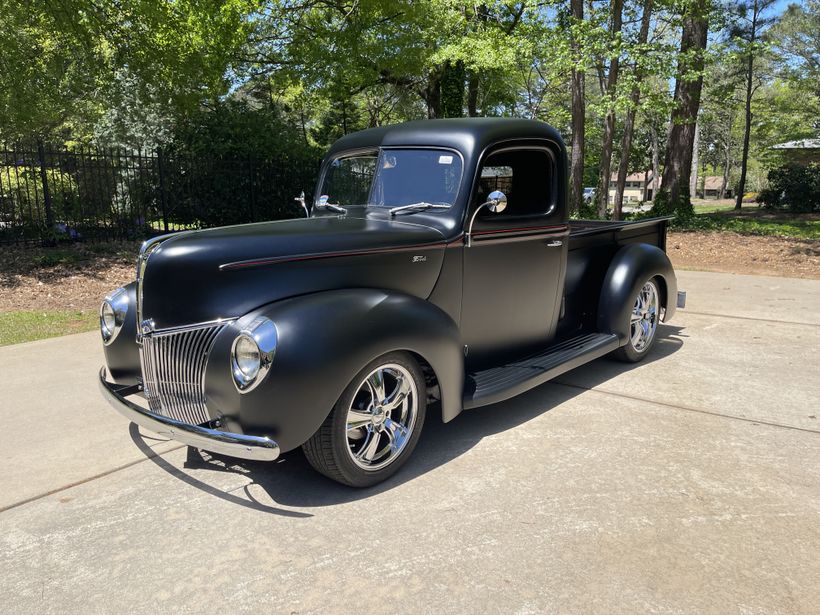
{"points": [[163, 197], [46, 193]]}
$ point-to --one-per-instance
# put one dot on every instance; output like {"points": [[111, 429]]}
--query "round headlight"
{"points": [[108, 320], [247, 357], [252, 353], [113, 312]]}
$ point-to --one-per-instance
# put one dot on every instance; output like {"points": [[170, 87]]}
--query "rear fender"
{"points": [[324, 340], [631, 266]]}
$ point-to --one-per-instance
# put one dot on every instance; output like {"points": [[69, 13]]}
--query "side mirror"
{"points": [[301, 200], [496, 203]]}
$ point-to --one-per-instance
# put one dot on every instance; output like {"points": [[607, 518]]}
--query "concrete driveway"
{"points": [[690, 483]]}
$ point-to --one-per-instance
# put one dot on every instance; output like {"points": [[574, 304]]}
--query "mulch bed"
{"points": [[78, 277]]}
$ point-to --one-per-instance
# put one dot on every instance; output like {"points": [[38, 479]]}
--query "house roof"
{"points": [[809, 144], [713, 182], [634, 177]]}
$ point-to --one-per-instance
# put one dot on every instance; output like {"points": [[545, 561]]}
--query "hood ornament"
{"points": [[147, 327]]}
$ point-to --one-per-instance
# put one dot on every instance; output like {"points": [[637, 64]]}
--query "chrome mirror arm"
{"points": [[301, 200], [496, 203]]}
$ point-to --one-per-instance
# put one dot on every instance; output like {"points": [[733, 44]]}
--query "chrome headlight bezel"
{"points": [[117, 302], [262, 332]]}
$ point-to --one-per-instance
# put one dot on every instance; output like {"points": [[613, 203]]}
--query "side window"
{"points": [[525, 176], [348, 180]]}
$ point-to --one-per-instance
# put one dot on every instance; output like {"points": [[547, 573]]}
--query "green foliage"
{"points": [[234, 163], [795, 187], [682, 209]]}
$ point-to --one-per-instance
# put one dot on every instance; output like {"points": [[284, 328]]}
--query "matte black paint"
{"points": [[227, 272], [122, 355], [324, 339], [344, 289], [631, 267]]}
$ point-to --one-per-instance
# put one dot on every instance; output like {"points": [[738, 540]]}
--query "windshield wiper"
{"points": [[417, 206]]}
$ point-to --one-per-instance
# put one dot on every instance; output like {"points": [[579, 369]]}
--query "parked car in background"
{"points": [[436, 267]]}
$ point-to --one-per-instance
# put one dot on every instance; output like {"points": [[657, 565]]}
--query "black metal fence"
{"points": [[52, 193]]}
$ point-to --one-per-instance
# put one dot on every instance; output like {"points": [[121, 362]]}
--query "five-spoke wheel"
{"points": [[643, 323], [374, 426]]}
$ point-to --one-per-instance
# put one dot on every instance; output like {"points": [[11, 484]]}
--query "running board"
{"points": [[505, 381]]}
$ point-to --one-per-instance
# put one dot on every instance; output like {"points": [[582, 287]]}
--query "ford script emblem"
{"points": [[147, 327]]}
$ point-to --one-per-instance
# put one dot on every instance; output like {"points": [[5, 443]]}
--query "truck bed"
{"points": [[592, 245], [584, 233]]}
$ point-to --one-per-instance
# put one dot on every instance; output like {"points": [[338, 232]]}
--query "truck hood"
{"points": [[201, 276]]}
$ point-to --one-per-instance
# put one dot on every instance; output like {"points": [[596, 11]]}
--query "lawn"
{"points": [[26, 326], [752, 220]]}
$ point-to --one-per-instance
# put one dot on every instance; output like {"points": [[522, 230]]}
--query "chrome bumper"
{"points": [[257, 448]]}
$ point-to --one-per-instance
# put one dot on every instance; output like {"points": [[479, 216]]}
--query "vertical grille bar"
{"points": [[173, 371]]}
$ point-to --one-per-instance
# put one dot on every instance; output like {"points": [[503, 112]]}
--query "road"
{"points": [[689, 483]]}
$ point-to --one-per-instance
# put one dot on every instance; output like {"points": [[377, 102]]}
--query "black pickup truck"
{"points": [[436, 267]]}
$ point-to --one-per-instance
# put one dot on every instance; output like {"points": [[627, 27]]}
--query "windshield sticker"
{"points": [[445, 160]]}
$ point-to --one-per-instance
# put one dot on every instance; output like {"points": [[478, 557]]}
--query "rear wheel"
{"points": [[643, 323], [374, 426]]}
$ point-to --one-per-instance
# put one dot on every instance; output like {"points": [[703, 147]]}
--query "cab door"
{"points": [[514, 269]]}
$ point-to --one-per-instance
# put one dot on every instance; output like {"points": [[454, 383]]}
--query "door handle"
{"points": [[554, 243]]}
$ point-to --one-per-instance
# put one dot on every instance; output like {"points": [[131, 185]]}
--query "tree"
{"points": [[629, 123], [576, 175], [747, 34], [797, 38], [674, 192], [609, 95]]}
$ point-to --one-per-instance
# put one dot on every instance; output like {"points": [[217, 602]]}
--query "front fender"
{"points": [[324, 340], [631, 266]]}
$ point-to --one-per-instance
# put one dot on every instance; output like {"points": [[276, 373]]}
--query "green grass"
{"points": [[786, 226], [705, 207], [18, 327]]}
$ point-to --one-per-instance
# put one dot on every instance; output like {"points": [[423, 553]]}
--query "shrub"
{"points": [[793, 186]]}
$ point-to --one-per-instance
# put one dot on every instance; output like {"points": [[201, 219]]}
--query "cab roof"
{"points": [[470, 136]]}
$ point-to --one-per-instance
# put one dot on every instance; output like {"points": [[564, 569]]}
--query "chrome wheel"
{"points": [[382, 416], [644, 318]]}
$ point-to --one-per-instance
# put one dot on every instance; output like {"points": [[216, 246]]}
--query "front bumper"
{"points": [[258, 448]]}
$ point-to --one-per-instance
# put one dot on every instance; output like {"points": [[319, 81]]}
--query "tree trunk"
{"points": [[678, 159], [432, 94], [656, 162], [747, 129], [693, 176], [472, 94], [623, 167], [609, 120], [576, 190], [726, 167], [629, 125]]}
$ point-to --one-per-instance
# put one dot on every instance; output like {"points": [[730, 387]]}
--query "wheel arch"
{"points": [[631, 266], [327, 338]]}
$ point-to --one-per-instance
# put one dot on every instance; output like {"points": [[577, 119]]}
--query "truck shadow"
{"points": [[291, 482]]}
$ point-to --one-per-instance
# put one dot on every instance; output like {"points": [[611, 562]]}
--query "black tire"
{"points": [[632, 352], [330, 452]]}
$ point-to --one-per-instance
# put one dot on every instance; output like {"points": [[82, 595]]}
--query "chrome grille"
{"points": [[173, 371]]}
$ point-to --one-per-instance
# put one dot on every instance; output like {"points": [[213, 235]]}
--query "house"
{"points": [[803, 151], [711, 188], [637, 189]]}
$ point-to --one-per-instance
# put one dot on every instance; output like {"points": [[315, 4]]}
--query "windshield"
{"points": [[393, 178]]}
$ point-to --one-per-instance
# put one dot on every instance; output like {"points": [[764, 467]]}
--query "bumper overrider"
{"points": [[258, 448]]}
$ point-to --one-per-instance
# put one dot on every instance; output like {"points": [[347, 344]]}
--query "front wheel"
{"points": [[643, 324], [374, 426]]}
